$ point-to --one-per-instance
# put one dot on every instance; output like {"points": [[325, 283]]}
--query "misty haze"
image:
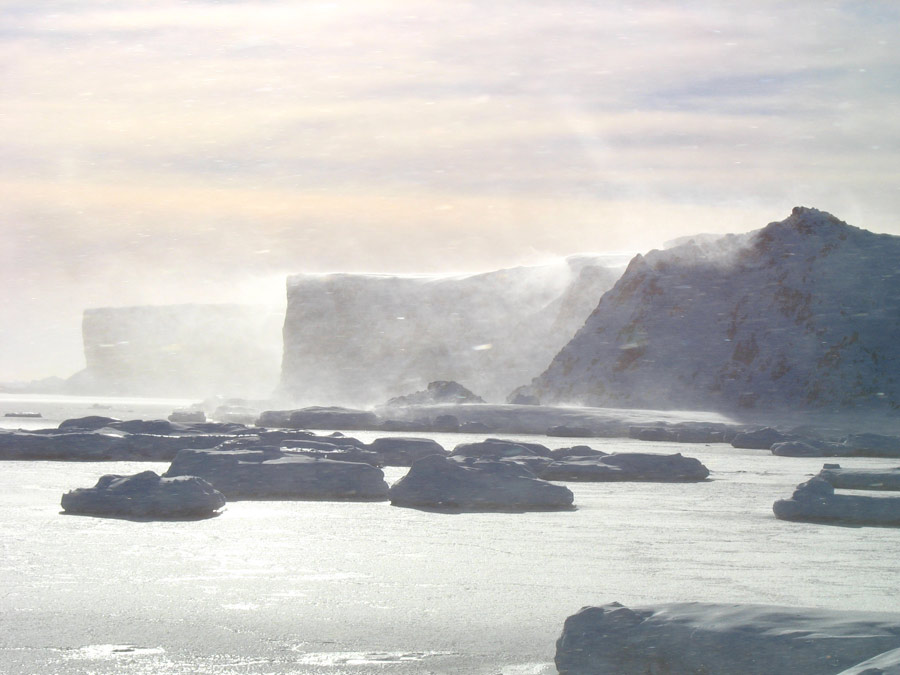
{"points": [[397, 337]]}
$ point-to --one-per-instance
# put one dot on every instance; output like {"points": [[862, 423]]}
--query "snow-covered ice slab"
{"points": [[723, 639], [816, 501], [537, 419], [887, 663], [272, 474], [145, 496], [628, 466], [861, 479], [440, 483]]}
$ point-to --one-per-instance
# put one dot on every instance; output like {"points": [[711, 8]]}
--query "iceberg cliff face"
{"points": [[356, 339], [180, 350], [803, 313]]}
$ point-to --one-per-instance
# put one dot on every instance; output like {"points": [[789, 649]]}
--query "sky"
{"points": [[200, 151]]}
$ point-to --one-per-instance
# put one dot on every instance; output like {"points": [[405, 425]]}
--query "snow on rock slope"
{"points": [[356, 339], [802, 314]]}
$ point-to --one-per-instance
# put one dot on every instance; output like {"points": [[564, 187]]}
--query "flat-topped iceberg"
{"points": [[723, 639], [470, 484], [145, 496], [403, 451], [273, 474], [320, 417], [816, 501], [861, 479], [627, 466]]}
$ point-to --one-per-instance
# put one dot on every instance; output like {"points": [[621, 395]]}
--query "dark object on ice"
{"points": [[445, 423], [399, 451], [653, 433], [89, 423], [533, 456], [475, 428], [760, 439], [872, 445], [235, 414], [79, 445], [722, 639], [23, 414], [403, 425], [339, 447], [815, 501], [861, 479], [345, 453], [683, 432], [188, 417], [440, 391], [522, 398], [801, 449], [576, 451], [886, 663], [703, 432], [564, 431], [272, 474], [496, 448], [277, 436], [317, 417], [439, 483], [628, 466], [145, 496], [156, 427]]}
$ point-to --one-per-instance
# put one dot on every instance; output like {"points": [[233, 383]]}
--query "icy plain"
{"points": [[358, 588]]}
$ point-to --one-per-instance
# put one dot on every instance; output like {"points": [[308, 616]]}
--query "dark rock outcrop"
{"points": [[816, 501], [799, 315], [722, 639], [145, 496], [273, 474], [440, 483], [627, 466]]}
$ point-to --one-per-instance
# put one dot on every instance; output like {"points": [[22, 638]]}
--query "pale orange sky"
{"points": [[200, 151]]}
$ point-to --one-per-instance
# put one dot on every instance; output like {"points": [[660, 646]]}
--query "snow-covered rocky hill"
{"points": [[802, 314], [357, 339]]}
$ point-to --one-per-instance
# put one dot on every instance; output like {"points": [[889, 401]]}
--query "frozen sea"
{"points": [[351, 588]]}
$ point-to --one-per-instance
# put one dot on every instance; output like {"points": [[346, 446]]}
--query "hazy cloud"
{"points": [[182, 151]]}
